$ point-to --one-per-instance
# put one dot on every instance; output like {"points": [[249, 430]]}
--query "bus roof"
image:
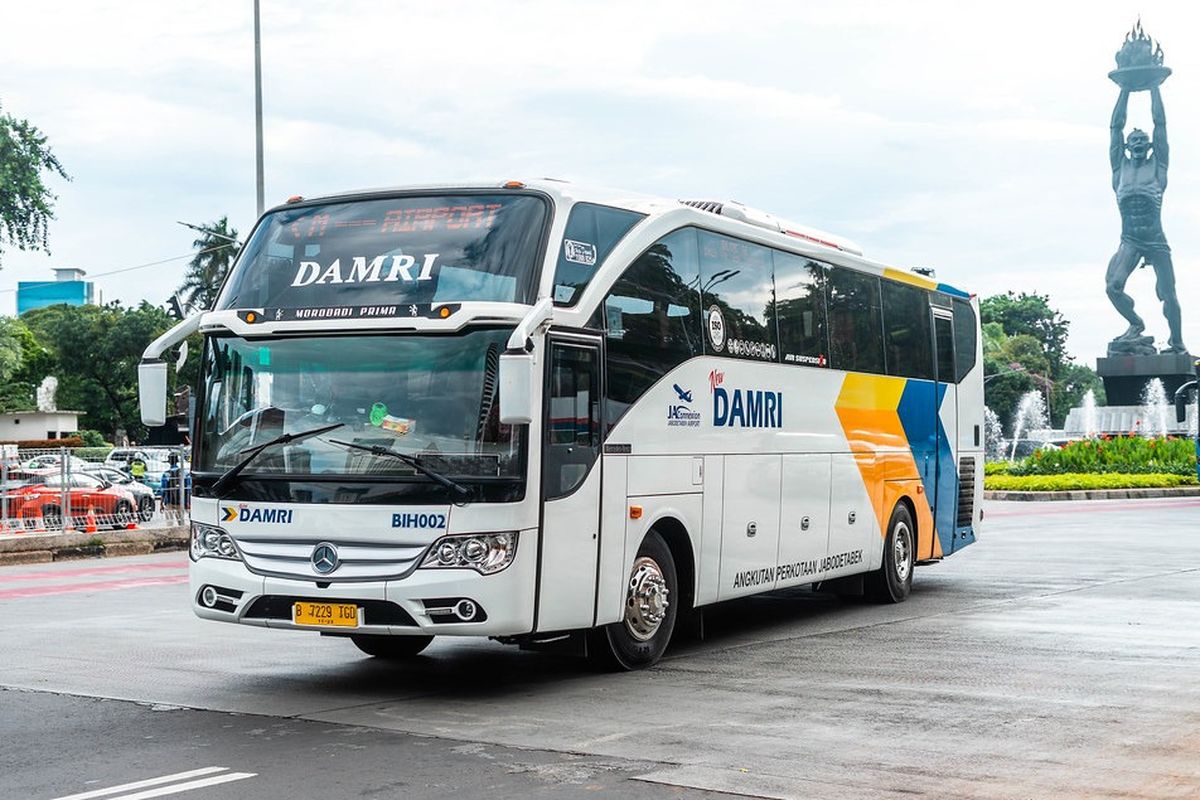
{"points": [[807, 240]]}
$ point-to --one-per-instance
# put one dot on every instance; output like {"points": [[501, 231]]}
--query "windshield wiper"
{"points": [[412, 461], [230, 475]]}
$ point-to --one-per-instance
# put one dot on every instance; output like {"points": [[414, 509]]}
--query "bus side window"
{"points": [[906, 331], [800, 310], [855, 328], [964, 338], [737, 278], [652, 319], [592, 232]]}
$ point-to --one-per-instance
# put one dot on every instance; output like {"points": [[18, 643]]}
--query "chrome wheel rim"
{"points": [[646, 601], [902, 551]]}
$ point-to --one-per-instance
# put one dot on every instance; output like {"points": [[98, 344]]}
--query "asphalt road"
{"points": [[1058, 657]]}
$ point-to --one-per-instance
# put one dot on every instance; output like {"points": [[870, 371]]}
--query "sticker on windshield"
{"points": [[579, 252]]}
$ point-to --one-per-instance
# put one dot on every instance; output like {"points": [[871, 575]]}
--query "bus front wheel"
{"points": [[892, 582], [638, 640], [391, 647]]}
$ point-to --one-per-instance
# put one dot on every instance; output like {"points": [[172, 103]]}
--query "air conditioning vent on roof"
{"points": [[704, 205], [761, 219]]}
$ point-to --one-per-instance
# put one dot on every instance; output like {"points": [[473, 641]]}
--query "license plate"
{"points": [[340, 615]]}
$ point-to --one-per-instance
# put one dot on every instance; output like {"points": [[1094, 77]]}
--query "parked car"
{"points": [[50, 462], [113, 506], [143, 495], [156, 459]]}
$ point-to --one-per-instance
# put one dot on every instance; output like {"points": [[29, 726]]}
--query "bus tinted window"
{"points": [[906, 331], [737, 282], [592, 232], [800, 310], [855, 329], [652, 317], [964, 338], [388, 255]]}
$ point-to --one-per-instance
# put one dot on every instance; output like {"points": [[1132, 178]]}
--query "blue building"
{"points": [[67, 287]]}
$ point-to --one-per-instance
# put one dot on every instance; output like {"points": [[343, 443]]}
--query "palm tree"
{"points": [[216, 249]]}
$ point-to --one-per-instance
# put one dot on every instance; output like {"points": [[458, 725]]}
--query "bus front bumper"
{"points": [[426, 602]]}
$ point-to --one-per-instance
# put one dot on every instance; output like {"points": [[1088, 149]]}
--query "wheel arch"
{"points": [[675, 534]]}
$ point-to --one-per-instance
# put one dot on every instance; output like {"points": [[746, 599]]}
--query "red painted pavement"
{"points": [[94, 586], [86, 570], [15, 585]]}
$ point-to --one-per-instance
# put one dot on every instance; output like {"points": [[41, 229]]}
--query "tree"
{"points": [[20, 371], [216, 249], [1030, 314], [94, 351], [26, 204], [1025, 348]]}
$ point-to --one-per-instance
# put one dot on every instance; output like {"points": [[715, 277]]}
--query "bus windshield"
{"points": [[429, 396], [392, 253]]}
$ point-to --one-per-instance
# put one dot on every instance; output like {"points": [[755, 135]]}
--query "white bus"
{"points": [[539, 412]]}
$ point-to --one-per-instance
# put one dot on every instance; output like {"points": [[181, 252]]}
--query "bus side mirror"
{"points": [[518, 371], [152, 392]]}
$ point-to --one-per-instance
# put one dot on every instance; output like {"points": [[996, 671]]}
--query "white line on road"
{"points": [[164, 790]]}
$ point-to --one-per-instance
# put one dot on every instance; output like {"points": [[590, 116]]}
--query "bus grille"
{"points": [[357, 561], [966, 491]]}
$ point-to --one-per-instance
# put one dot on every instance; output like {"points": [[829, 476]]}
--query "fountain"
{"points": [[1154, 409], [1091, 426], [993, 435], [1031, 416]]}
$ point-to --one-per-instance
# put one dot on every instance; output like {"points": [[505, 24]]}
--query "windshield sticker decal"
{"points": [[579, 252], [400, 268], [716, 328]]}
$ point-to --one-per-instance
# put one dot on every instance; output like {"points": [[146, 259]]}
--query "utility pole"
{"points": [[258, 124]]}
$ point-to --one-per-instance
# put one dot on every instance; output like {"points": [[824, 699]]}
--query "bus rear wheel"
{"points": [[892, 582], [639, 639], [391, 647]]}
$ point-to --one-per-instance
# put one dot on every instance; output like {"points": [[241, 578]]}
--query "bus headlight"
{"points": [[486, 553], [209, 541]]}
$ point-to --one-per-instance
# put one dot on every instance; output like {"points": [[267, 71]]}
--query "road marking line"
{"points": [[128, 787], [216, 780], [93, 586]]}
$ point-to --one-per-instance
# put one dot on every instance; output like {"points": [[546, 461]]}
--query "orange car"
{"points": [[113, 506]]}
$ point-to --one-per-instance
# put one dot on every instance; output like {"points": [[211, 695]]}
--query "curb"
{"points": [[1096, 494], [40, 548]]}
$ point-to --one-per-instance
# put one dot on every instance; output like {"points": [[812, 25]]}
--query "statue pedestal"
{"points": [[1126, 376]]}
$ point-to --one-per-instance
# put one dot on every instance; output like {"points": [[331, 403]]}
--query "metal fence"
{"points": [[92, 490]]}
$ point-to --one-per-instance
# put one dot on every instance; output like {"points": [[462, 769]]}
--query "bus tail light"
{"points": [[486, 553]]}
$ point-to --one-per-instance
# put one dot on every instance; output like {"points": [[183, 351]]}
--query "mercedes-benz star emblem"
{"points": [[324, 558]]}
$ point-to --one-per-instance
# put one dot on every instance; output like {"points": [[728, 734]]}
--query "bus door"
{"points": [[571, 442], [946, 496]]}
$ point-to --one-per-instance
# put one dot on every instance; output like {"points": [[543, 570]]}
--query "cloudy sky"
{"points": [[934, 134]]}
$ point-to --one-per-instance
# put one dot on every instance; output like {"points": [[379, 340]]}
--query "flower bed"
{"points": [[1123, 454]]}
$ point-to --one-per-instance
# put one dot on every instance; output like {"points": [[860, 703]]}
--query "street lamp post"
{"points": [[258, 125]]}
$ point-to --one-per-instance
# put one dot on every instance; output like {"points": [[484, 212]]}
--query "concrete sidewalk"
{"points": [[34, 548]]}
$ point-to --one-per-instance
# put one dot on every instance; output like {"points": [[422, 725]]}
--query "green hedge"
{"points": [[1078, 481]]}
